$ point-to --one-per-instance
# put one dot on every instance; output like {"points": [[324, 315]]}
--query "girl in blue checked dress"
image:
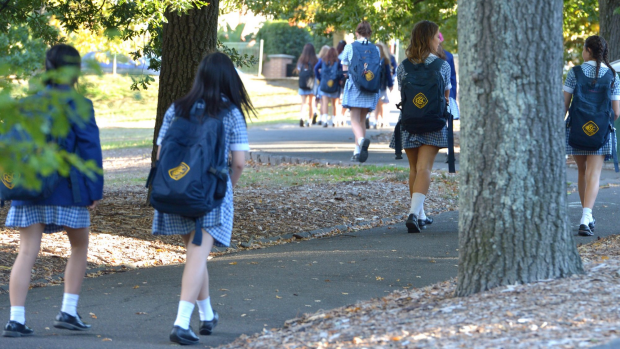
{"points": [[421, 149], [305, 64], [359, 102], [218, 85], [590, 163], [65, 210]]}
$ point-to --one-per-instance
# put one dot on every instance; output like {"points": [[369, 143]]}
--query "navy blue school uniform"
{"points": [[454, 108], [317, 73], [66, 207], [389, 83]]}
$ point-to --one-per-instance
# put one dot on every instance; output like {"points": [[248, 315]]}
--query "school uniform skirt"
{"points": [[353, 97], [329, 94], [606, 149], [55, 218], [218, 223], [436, 138]]}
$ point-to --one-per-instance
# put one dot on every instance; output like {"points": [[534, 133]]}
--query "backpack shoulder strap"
{"points": [[579, 75], [408, 66], [436, 64]]}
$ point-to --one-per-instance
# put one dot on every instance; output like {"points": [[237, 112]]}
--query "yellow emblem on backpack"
{"points": [[179, 171], [420, 100], [590, 128], [369, 75], [7, 180], [330, 83]]}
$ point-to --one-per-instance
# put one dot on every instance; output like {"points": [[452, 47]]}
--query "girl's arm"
{"points": [[447, 95], [317, 70], [567, 98], [238, 163], [615, 105]]}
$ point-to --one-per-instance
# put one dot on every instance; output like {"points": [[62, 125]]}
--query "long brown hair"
{"points": [[331, 56], [323, 51], [419, 47], [600, 52], [385, 53], [308, 57]]}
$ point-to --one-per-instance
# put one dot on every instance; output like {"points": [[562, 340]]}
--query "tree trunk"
{"points": [[610, 26], [513, 226], [186, 39]]}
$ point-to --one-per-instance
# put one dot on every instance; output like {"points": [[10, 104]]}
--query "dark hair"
{"points": [[419, 45], [63, 57], [364, 29], [341, 45], [600, 52], [308, 57], [331, 57], [216, 76]]}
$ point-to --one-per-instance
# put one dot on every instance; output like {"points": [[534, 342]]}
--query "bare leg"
{"points": [[358, 123], [29, 245], [424, 166], [324, 104], [310, 108], [195, 280], [580, 160], [412, 157], [76, 266], [379, 112], [594, 165]]}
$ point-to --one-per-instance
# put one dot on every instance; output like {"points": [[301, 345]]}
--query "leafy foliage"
{"points": [[580, 21], [281, 37]]}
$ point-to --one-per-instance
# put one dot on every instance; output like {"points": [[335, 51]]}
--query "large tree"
{"points": [[513, 224], [609, 20]]}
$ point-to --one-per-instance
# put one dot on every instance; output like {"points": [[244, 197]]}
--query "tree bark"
{"points": [[610, 26], [513, 226], [186, 39]]}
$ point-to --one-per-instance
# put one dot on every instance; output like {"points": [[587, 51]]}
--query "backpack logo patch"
{"points": [[420, 100], [7, 180], [179, 171], [330, 83], [590, 128], [367, 73]]}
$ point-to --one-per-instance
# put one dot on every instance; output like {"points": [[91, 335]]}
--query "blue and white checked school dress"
{"points": [[436, 138], [353, 97], [55, 218], [589, 70], [219, 222]]}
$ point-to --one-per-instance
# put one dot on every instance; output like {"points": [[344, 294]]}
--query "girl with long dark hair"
{"points": [[422, 148], [218, 87], [67, 208], [327, 62], [305, 67], [590, 162]]}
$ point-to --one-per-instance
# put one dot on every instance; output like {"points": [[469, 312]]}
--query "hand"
{"points": [[391, 88], [94, 205]]}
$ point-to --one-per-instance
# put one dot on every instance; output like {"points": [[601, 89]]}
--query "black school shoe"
{"points": [[15, 329], [585, 230], [592, 224], [183, 336], [412, 224], [355, 158], [424, 222], [68, 322], [364, 150], [206, 327]]}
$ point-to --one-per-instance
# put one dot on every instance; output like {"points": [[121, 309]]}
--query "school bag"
{"points": [[191, 175], [591, 118], [330, 78], [10, 188], [306, 78], [423, 105], [366, 67]]}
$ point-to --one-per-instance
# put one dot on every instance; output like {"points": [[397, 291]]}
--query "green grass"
{"points": [[291, 175], [127, 118]]}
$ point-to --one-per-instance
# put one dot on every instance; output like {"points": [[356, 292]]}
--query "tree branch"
{"points": [[4, 5]]}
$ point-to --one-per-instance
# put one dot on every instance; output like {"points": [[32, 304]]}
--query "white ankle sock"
{"points": [[184, 314], [422, 214], [18, 314], [417, 203], [205, 310], [69, 303], [586, 216], [357, 150], [361, 141]]}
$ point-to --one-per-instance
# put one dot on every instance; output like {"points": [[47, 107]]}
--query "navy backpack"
{"points": [[366, 67], [423, 104], [330, 78], [191, 176], [306, 78], [590, 116]]}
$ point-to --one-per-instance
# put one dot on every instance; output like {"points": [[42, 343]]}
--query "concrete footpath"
{"points": [[260, 289]]}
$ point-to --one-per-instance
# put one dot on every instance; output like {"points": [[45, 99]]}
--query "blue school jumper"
{"points": [[66, 207]]}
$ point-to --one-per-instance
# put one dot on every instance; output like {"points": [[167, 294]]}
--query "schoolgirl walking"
{"points": [[328, 72], [217, 97], [592, 99], [422, 127], [66, 209], [362, 63], [307, 86]]}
